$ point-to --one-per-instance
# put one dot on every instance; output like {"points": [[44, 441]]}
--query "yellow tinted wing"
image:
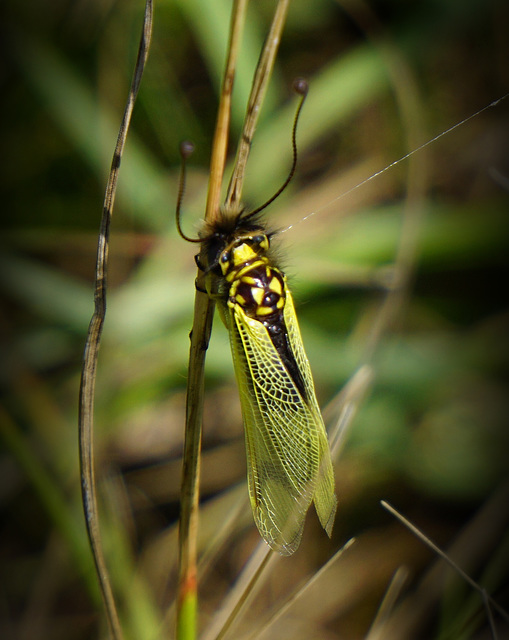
{"points": [[288, 455], [324, 496]]}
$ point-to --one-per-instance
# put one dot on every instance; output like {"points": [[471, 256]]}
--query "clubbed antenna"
{"points": [[301, 87], [186, 150]]}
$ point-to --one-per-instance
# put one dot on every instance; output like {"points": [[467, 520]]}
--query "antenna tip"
{"points": [[300, 86], [186, 149]]}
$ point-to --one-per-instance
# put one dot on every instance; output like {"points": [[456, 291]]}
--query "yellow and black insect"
{"points": [[289, 461]]}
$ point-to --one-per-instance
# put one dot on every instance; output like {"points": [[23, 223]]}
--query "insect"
{"points": [[289, 461]]}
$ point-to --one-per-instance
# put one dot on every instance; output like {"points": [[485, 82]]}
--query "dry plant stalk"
{"points": [[204, 306], [200, 335], [88, 375]]}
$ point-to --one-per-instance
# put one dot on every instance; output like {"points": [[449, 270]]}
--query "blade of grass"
{"points": [[301, 591], [471, 548], [263, 560], [447, 557], [387, 605]]}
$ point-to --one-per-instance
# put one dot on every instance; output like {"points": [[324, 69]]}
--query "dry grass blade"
{"points": [[260, 564], [258, 90], [204, 307], [386, 607], [248, 581], [301, 591], [488, 525], [221, 134], [346, 404], [87, 387]]}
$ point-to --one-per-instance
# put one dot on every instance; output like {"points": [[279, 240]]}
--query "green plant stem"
{"points": [[187, 601]]}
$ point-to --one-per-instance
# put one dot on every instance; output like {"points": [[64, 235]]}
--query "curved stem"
{"points": [[88, 374]]}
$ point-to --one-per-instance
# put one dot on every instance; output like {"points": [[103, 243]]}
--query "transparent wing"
{"points": [[324, 496], [286, 443]]}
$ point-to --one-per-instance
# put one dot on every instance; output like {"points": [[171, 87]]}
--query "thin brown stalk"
{"points": [[258, 90], [200, 335], [393, 592], [88, 375], [501, 498], [300, 592], [204, 307], [246, 586], [221, 134]]}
